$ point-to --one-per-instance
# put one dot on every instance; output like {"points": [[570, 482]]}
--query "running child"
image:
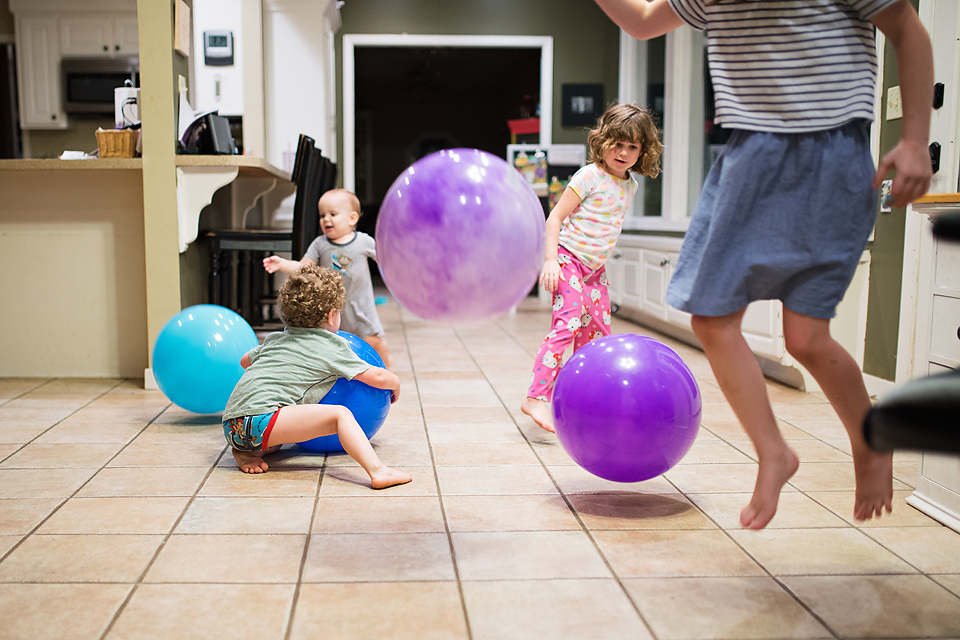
{"points": [[788, 207], [581, 230]]}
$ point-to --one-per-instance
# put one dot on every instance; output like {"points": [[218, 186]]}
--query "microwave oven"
{"points": [[88, 83]]}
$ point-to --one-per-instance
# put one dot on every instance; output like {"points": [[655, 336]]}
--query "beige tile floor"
{"points": [[124, 517]]}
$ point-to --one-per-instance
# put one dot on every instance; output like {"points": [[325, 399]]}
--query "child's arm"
{"points": [[910, 159], [642, 19], [380, 378], [550, 277], [276, 263], [245, 360]]}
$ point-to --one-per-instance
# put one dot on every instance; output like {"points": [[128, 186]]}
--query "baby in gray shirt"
{"points": [[343, 248]]}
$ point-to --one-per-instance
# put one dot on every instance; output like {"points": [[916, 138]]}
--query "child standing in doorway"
{"points": [[786, 210], [345, 249], [581, 230], [275, 401]]}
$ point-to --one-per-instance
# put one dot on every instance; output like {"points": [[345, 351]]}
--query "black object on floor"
{"points": [[920, 414]]}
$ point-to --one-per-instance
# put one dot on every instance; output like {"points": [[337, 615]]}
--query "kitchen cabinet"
{"points": [[937, 349], [98, 34], [639, 271], [49, 30], [38, 72]]}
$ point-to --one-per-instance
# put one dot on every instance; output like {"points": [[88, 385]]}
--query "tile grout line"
{"points": [[44, 520], [306, 550], [139, 581], [566, 499], [436, 479], [58, 422]]}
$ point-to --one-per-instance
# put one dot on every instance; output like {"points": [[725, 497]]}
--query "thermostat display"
{"points": [[218, 48]]}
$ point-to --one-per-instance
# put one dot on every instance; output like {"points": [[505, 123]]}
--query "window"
{"points": [[669, 76]]}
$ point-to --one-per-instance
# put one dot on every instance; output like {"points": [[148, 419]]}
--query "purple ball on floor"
{"points": [[626, 408], [460, 236]]}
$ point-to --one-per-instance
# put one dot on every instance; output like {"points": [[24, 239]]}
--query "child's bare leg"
{"points": [[808, 340], [744, 387], [539, 411], [380, 346], [251, 461], [301, 422]]}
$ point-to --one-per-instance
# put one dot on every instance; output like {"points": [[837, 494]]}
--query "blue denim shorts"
{"points": [[249, 433]]}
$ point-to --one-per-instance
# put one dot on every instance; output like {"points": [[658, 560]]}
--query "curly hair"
{"points": [[627, 123], [309, 295]]}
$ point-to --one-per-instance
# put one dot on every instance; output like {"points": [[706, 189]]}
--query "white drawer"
{"points": [[946, 266], [945, 328]]}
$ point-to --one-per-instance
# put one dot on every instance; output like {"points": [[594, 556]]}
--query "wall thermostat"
{"points": [[218, 48]]}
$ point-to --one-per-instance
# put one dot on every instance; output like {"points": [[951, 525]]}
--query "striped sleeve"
{"points": [[691, 12]]}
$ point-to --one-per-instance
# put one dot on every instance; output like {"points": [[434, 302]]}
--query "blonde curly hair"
{"points": [[627, 123], [309, 295]]}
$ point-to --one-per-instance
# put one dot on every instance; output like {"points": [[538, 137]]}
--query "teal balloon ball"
{"points": [[196, 358], [368, 405]]}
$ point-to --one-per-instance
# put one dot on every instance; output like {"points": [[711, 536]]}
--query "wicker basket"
{"points": [[117, 143]]}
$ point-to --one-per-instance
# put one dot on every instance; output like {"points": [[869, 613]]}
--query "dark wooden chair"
{"points": [[253, 295]]}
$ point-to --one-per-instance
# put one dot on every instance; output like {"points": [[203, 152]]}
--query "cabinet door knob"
{"points": [[106, 48], [116, 47], [53, 116], [665, 262]]}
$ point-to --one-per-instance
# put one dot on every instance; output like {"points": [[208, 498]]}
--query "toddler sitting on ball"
{"points": [[293, 370]]}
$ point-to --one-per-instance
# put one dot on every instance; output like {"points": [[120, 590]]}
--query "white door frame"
{"points": [[350, 42]]}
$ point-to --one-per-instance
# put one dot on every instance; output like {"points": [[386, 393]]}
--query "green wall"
{"points": [[886, 254], [6, 19], [586, 45]]}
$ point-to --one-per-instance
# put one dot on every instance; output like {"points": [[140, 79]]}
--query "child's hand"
{"points": [[550, 277], [910, 163], [272, 263], [394, 396]]}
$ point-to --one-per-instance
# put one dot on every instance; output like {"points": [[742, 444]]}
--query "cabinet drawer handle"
{"points": [[617, 256], [665, 262]]}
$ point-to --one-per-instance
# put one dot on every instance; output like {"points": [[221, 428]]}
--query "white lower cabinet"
{"points": [[937, 349], [639, 271]]}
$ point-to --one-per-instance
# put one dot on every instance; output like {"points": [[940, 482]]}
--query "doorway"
{"points": [[406, 96]]}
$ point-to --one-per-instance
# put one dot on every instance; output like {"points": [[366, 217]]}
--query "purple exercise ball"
{"points": [[460, 236], [626, 408]]}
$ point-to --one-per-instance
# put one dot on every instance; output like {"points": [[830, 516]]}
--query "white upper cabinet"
{"points": [[96, 34], [38, 72]]}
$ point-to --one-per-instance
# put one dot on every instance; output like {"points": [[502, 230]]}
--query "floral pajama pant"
{"points": [[581, 313]]}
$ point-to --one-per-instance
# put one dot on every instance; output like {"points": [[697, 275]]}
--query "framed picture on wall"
{"points": [[582, 104]]}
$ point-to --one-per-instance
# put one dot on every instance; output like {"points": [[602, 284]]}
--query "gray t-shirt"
{"points": [[359, 313], [295, 366]]}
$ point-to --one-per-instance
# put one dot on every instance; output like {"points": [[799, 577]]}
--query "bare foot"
{"points": [[771, 477], [387, 477], [249, 461], [539, 411], [874, 473]]}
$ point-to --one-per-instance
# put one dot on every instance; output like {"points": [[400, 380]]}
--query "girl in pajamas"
{"points": [[581, 230]]}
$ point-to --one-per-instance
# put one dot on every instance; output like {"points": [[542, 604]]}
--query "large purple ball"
{"points": [[460, 236], [626, 408]]}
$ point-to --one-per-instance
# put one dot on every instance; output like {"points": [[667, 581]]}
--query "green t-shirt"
{"points": [[296, 366]]}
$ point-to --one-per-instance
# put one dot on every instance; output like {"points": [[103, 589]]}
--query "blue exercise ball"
{"points": [[368, 405], [196, 358]]}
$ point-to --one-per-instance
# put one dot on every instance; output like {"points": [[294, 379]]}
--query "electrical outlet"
{"points": [[894, 106]]}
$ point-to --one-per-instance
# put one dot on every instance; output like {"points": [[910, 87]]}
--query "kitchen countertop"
{"points": [[248, 166]]}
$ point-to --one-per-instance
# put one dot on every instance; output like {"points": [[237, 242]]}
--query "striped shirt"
{"points": [[789, 66]]}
